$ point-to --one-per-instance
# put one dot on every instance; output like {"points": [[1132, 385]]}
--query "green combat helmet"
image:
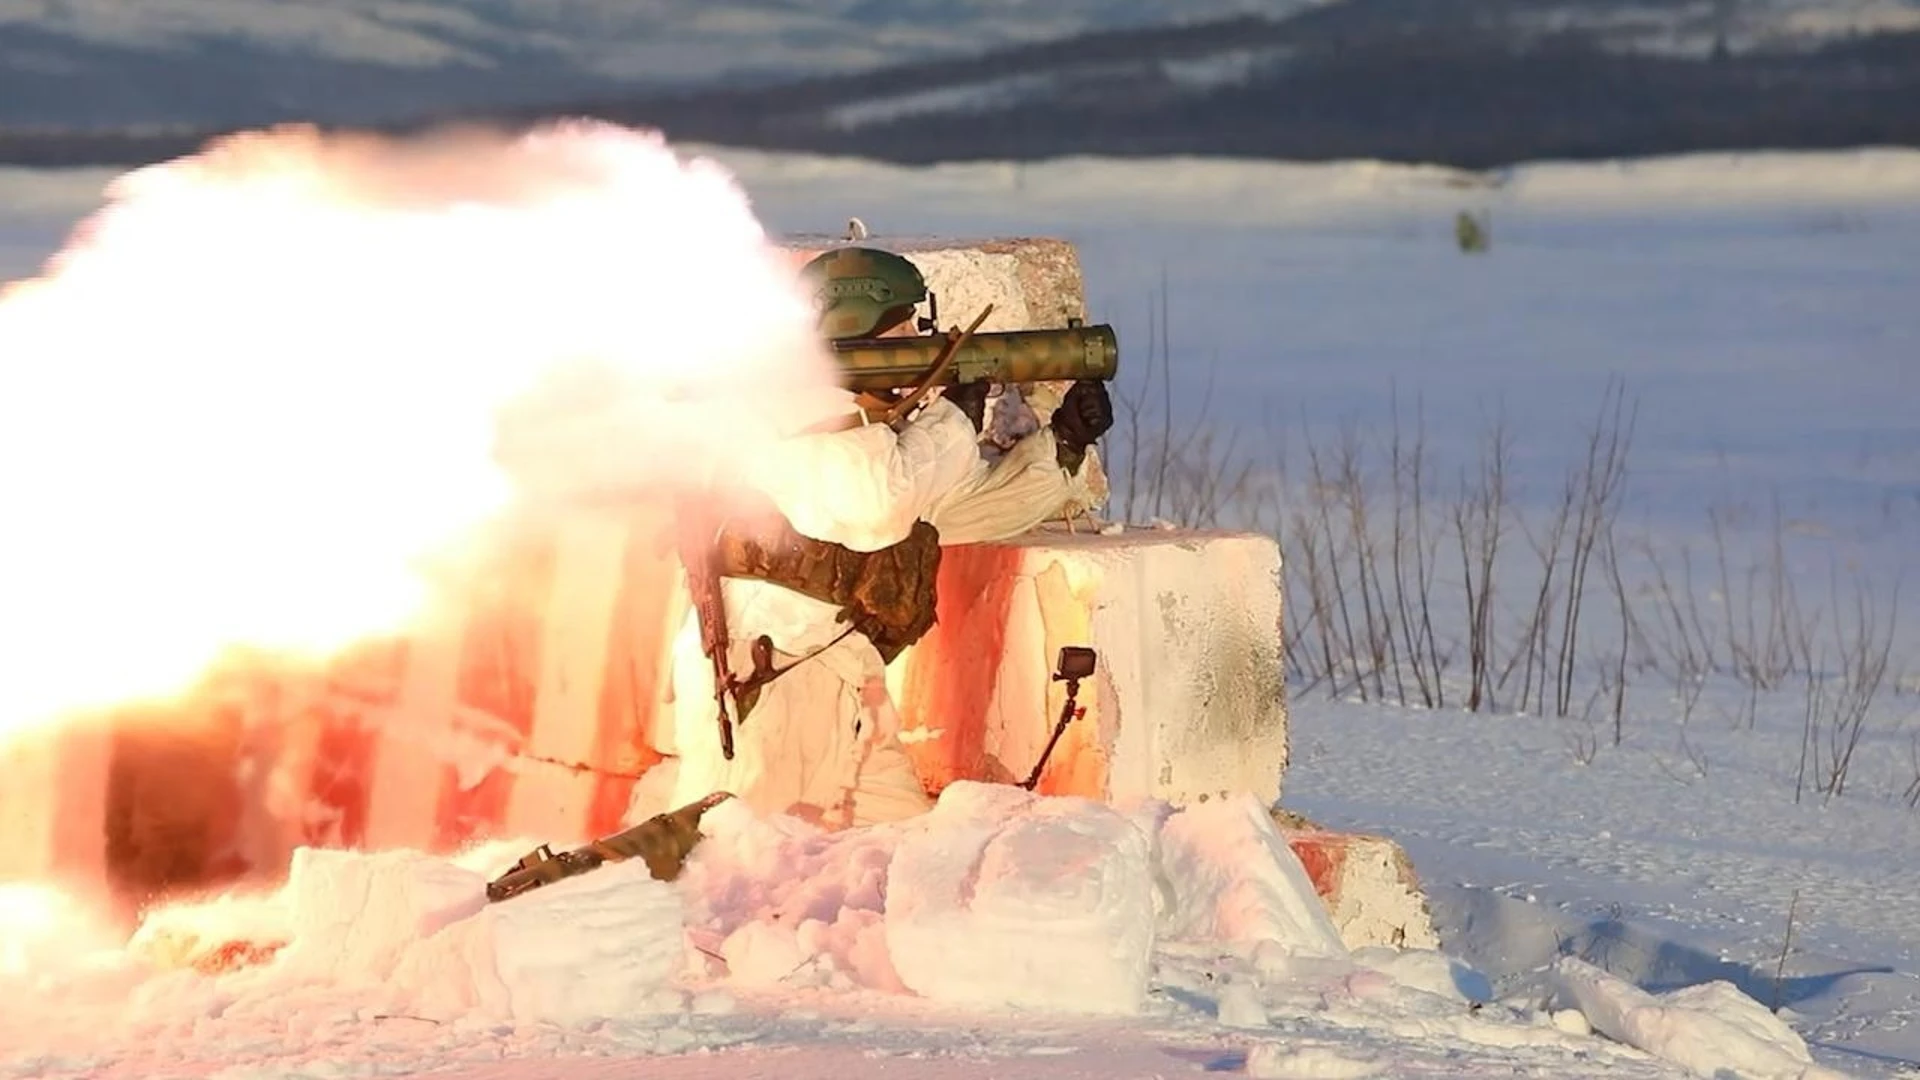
{"points": [[863, 292]]}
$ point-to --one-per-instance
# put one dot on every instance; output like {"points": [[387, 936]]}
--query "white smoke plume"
{"points": [[266, 381]]}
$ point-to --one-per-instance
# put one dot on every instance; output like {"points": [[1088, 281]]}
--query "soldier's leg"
{"points": [[887, 786], [830, 753], [821, 742], [795, 752]]}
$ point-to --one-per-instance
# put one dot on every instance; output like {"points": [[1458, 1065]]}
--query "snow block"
{"points": [[601, 946], [1188, 702], [416, 932], [352, 915], [1234, 880], [1000, 899], [1368, 886]]}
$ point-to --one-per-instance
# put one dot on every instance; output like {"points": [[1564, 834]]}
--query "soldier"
{"points": [[848, 582]]}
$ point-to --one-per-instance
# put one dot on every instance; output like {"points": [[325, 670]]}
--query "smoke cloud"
{"points": [[267, 382]]}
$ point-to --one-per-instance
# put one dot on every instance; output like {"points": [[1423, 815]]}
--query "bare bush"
{"points": [[1183, 473], [1681, 637], [1479, 523], [1614, 669], [1404, 583], [1863, 646], [1580, 524], [1912, 795], [1839, 702], [1363, 554], [1413, 541]]}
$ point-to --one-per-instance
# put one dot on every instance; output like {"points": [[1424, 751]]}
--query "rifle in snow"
{"points": [[662, 841]]}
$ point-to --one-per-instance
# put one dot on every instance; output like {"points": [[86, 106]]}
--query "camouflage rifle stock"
{"points": [[696, 528], [663, 841], [877, 365]]}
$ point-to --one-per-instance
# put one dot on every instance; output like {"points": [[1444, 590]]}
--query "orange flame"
{"points": [[267, 385]]}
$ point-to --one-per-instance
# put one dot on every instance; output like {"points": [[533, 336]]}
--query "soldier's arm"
{"points": [[866, 487], [1022, 489]]}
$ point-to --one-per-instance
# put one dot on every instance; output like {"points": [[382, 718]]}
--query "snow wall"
{"points": [[529, 714]]}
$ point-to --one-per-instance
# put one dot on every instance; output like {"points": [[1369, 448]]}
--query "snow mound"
{"points": [[351, 915], [1003, 898], [1429, 971], [1710, 1029], [414, 934], [1283, 1061], [601, 946], [996, 898], [774, 901], [1234, 880]]}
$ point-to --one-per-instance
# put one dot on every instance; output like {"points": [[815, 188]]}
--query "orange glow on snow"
{"points": [[263, 390]]}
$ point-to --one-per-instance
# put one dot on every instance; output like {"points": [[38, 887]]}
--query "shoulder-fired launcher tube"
{"points": [[872, 365]]}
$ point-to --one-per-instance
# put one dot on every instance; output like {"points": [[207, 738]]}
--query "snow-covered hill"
{"points": [[215, 63], [656, 41], [210, 61]]}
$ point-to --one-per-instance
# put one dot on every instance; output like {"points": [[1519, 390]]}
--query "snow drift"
{"points": [[1711, 1029], [996, 901], [996, 898]]}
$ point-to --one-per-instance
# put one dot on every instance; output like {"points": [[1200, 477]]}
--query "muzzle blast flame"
{"points": [[263, 389]]}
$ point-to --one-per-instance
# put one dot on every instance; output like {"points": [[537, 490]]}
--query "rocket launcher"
{"points": [[879, 365], [890, 375]]}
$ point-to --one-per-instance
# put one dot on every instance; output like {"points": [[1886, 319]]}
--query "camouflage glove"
{"points": [[1085, 414], [971, 398]]}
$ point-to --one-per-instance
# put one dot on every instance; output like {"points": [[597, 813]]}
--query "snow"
{"points": [[1637, 863], [1005, 899], [1761, 305], [354, 915], [1711, 1029], [1039, 925], [1041, 918], [777, 902], [1282, 1061], [1234, 880]]}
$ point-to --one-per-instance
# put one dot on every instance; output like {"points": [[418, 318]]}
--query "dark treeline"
{"points": [[1408, 88], [1461, 100]]}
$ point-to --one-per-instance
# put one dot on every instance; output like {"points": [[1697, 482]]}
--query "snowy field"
{"points": [[1762, 312]]}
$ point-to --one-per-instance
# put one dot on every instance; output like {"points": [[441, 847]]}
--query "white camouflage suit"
{"points": [[822, 741]]}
